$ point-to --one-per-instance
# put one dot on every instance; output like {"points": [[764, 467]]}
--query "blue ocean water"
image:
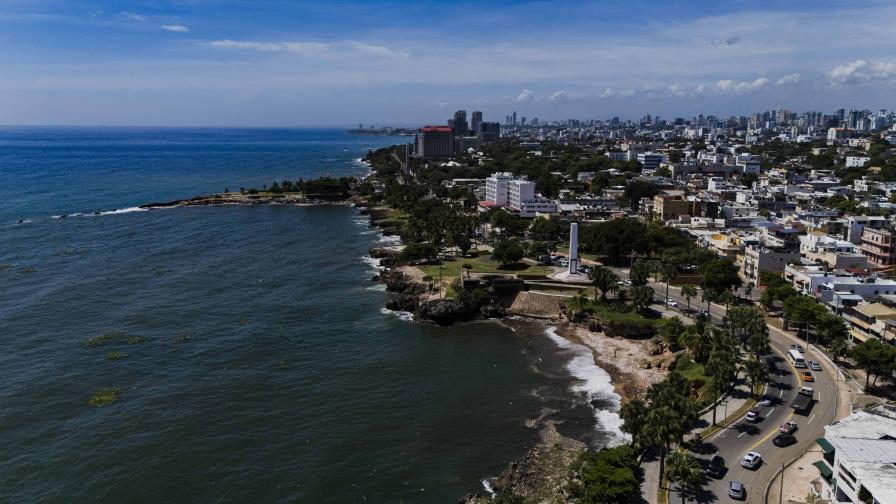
{"points": [[256, 363]]}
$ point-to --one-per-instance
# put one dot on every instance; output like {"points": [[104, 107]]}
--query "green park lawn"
{"points": [[481, 264]]}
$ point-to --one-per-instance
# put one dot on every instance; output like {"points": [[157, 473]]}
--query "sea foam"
{"points": [[595, 384], [403, 315]]}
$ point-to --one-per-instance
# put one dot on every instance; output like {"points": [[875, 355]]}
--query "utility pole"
{"points": [[440, 281]]}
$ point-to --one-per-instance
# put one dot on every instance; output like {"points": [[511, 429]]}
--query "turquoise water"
{"points": [[266, 368]]}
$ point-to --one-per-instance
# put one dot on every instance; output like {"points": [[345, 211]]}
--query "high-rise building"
{"points": [[475, 121], [461, 128], [435, 142], [489, 132], [513, 122]]}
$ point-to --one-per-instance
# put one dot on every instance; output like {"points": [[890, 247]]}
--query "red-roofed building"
{"points": [[435, 143]]}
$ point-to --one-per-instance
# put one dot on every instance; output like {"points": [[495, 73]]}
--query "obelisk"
{"points": [[574, 248]]}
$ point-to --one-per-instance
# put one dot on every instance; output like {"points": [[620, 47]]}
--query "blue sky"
{"points": [[292, 63]]}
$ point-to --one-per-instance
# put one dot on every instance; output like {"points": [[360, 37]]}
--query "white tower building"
{"points": [[574, 248]]}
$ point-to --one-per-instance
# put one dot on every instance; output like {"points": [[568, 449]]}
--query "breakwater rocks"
{"points": [[419, 298], [248, 199]]}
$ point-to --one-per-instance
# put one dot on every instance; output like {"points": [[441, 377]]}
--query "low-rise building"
{"points": [[760, 258], [859, 463], [879, 246], [867, 320]]}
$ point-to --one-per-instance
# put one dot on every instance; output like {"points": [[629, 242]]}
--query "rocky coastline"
{"points": [[243, 198]]}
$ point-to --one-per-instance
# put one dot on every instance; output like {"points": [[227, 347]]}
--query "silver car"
{"points": [[814, 366], [751, 460], [736, 490]]}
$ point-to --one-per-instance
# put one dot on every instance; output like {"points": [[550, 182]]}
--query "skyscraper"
{"points": [[475, 121], [461, 128], [513, 122]]}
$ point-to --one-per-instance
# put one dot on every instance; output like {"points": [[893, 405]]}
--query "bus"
{"points": [[796, 358]]}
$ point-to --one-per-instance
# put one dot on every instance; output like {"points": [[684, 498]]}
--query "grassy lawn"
{"points": [[693, 371], [614, 316], [481, 264], [564, 249]]}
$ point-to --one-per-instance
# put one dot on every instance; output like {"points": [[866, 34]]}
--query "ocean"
{"points": [[252, 355]]}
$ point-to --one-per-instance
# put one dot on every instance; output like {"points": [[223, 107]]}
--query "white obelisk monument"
{"points": [[574, 248]]}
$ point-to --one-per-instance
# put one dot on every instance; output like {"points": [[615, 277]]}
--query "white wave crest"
{"points": [[391, 239], [487, 486], [118, 211], [403, 315], [380, 287], [594, 383]]}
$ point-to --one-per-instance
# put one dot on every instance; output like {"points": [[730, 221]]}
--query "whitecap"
{"points": [[118, 211], [595, 384], [373, 263], [487, 486], [402, 315], [380, 287], [392, 239]]}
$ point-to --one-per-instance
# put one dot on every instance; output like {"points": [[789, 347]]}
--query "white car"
{"points": [[673, 303], [814, 366], [751, 460]]}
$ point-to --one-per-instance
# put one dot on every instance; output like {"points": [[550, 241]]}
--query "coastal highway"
{"points": [[741, 436]]}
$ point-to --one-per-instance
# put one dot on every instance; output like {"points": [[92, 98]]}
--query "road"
{"points": [[741, 436]]}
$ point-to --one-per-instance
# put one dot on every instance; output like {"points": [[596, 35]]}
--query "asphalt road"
{"points": [[733, 442]]}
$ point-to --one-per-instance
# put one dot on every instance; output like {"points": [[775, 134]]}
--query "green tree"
{"points": [[604, 280], [719, 275], [875, 358], [639, 273], [688, 291], [668, 272], [634, 422], [721, 366], [642, 297], [507, 252], [605, 477], [839, 348], [670, 330], [685, 471], [802, 310], [671, 411], [747, 323], [756, 372]]}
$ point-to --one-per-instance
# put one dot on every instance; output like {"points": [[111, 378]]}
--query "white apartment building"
{"points": [[856, 161], [859, 464], [518, 191], [856, 224], [838, 254], [497, 188], [504, 190], [617, 156], [650, 160]]}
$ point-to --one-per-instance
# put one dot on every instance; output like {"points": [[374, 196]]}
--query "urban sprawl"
{"points": [[802, 204]]}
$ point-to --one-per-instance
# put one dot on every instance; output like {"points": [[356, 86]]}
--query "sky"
{"points": [[337, 62]]}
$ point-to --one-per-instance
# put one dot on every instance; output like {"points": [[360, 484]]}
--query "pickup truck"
{"points": [[803, 399]]}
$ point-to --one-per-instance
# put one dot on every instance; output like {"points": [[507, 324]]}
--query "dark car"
{"points": [[736, 490], [784, 439], [716, 467]]}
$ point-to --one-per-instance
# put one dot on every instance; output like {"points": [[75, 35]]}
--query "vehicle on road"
{"points": [[783, 440], [753, 415], [798, 348], [796, 358], [807, 376], [716, 467], [751, 460], [673, 303], [788, 427], [736, 490], [806, 391], [766, 401], [803, 399], [814, 366]]}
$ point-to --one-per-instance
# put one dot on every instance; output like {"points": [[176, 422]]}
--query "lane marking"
{"points": [[741, 434], [770, 412], [780, 392], [770, 434], [810, 419]]}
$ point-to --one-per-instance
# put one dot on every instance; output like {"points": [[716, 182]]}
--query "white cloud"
{"points": [[133, 16], [788, 79], [524, 96], [291, 47], [563, 95], [861, 70], [175, 28], [377, 50], [728, 85], [607, 93], [313, 48]]}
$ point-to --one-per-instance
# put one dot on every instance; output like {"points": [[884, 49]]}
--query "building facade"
{"points": [[878, 245], [435, 143]]}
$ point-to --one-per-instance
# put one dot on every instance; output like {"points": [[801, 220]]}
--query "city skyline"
{"points": [[231, 63]]}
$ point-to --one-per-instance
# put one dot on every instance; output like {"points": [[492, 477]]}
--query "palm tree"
{"points": [[839, 348], [689, 291], [642, 297], [722, 365], [634, 422], [604, 280], [728, 298], [684, 470], [668, 271], [756, 372]]}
